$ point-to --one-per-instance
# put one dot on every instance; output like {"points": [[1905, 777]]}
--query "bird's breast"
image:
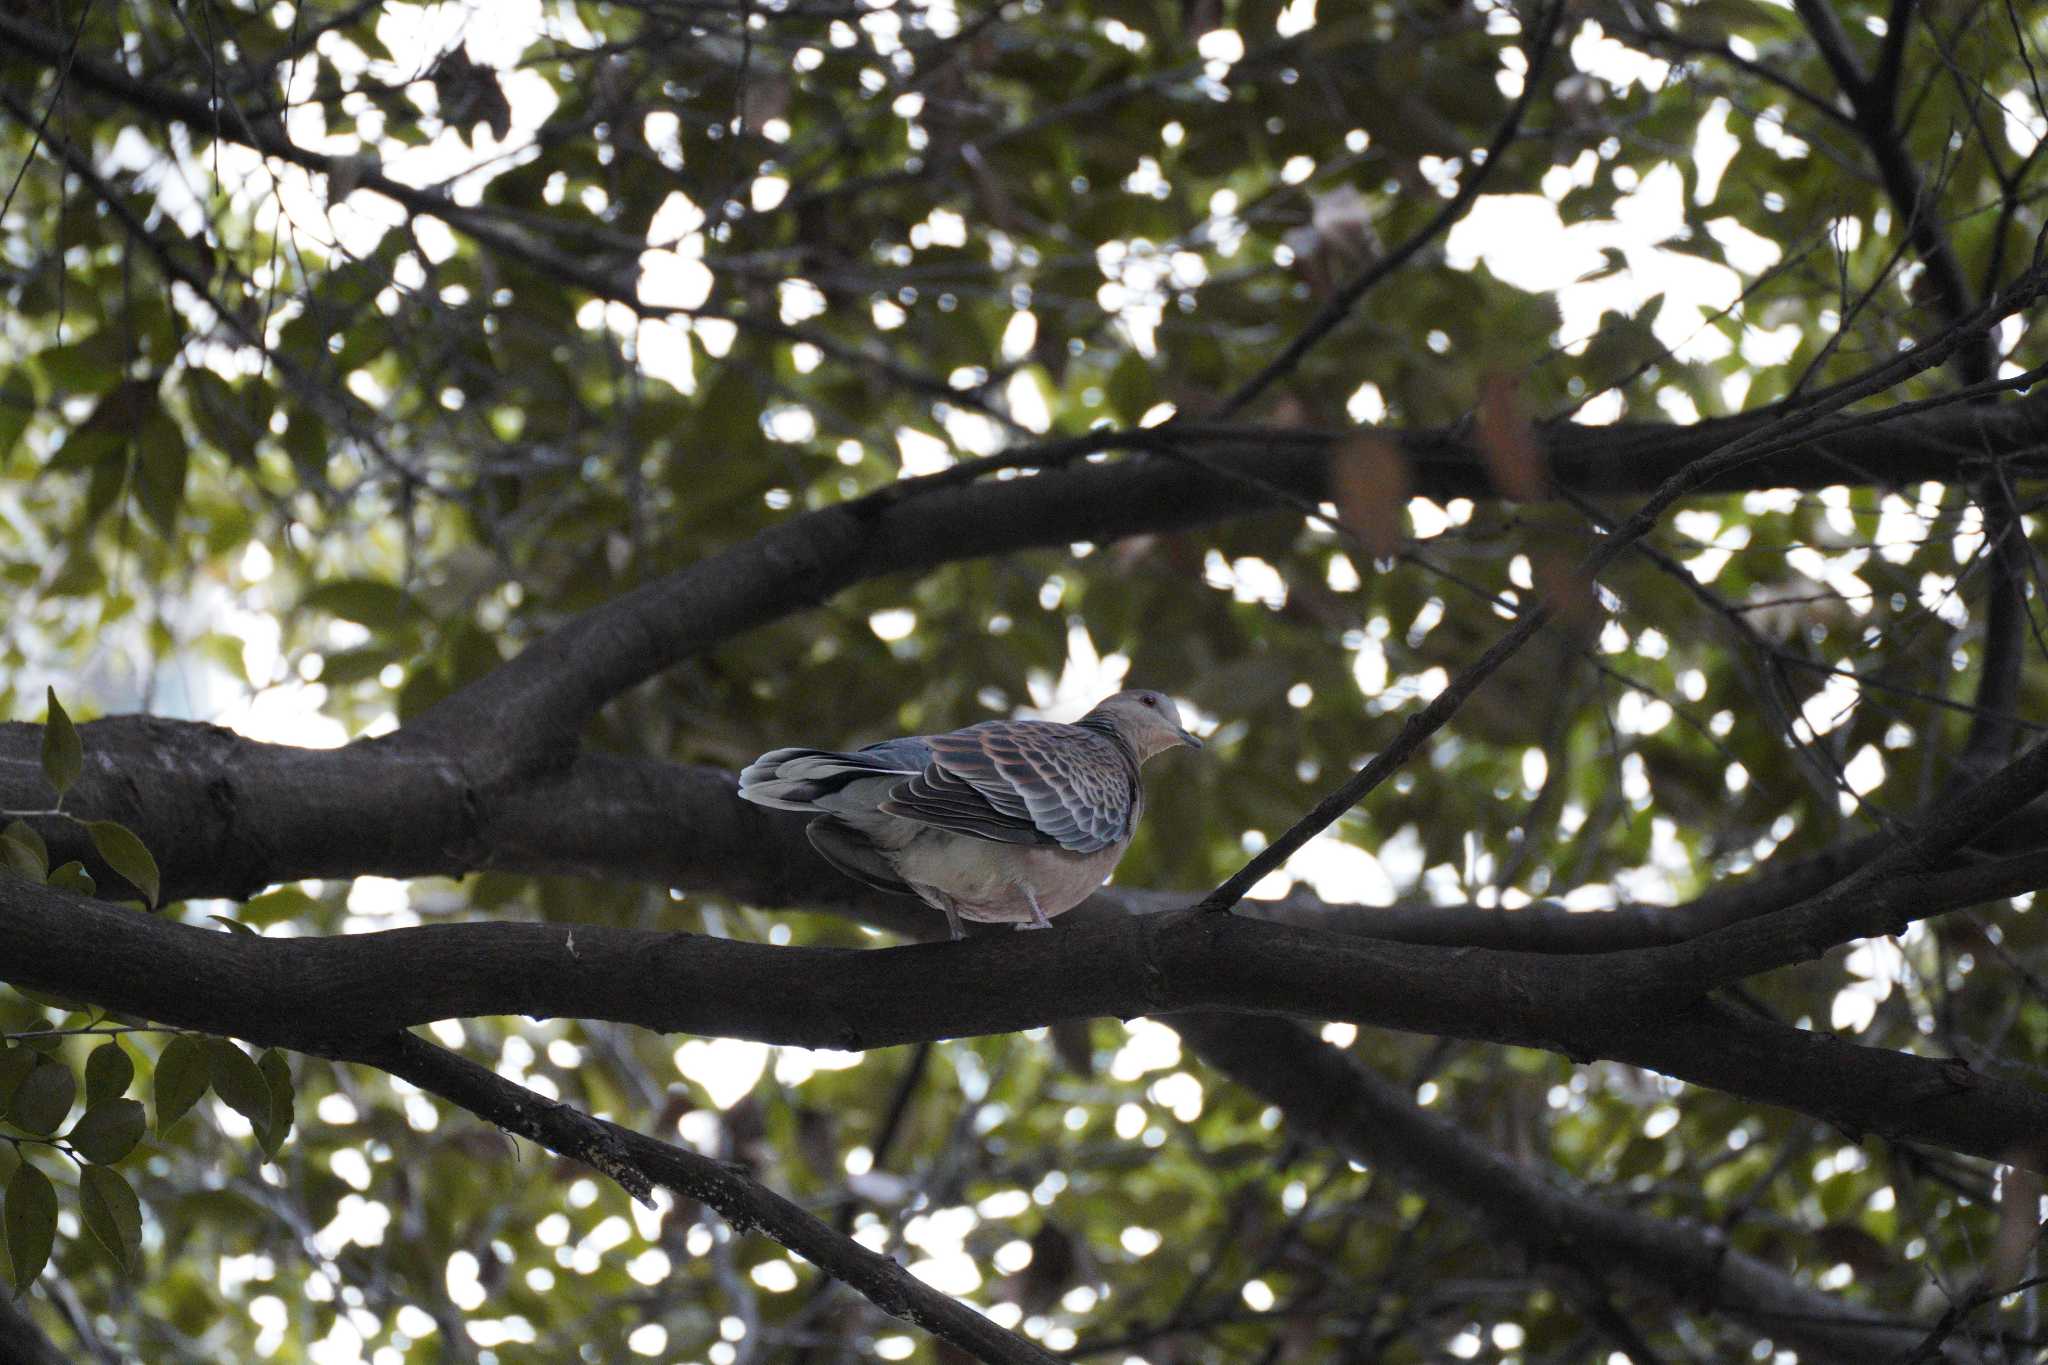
{"points": [[987, 880]]}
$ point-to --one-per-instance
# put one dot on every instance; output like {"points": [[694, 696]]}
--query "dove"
{"points": [[1005, 822]]}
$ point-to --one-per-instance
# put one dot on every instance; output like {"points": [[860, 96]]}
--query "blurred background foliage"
{"points": [[514, 306]]}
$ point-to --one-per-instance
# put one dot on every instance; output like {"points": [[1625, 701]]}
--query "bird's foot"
{"points": [[1038, 919]]}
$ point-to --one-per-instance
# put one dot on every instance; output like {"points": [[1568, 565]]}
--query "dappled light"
{"points": [[1574, 467]]}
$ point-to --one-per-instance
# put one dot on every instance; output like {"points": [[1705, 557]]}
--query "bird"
{"points": [[1004, 822]]}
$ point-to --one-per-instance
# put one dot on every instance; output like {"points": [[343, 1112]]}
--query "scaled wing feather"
{"points": [[1025, 782]]}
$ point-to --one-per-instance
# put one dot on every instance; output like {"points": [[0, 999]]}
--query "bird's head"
{"points": [[1148, 721]]}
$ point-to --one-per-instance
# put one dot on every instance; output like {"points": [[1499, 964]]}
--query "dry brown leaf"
{"points": [[1567, 591], [1129, 553], [1369, 484], [1287, 411], [1514, 459], [2019, 1226]]}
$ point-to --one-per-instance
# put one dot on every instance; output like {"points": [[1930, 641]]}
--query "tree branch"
{"points": [[512, 240], [1864, 904], [1875, 101], [537, 702], [226, 816], [314, 993], [1420, 727], [1647, 29], [1327, 1094], [1340, 304], [21, 1340], [638, 1163]]}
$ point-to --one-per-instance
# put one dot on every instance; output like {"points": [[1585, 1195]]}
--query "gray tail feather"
{"points": [[847, 849], [794, 779]]}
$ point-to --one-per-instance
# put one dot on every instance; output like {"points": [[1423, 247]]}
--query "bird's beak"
{"points": [[1188, 739]]}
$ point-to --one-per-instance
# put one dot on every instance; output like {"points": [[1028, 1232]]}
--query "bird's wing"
{"points": [[854, 854], [1024, 782]]}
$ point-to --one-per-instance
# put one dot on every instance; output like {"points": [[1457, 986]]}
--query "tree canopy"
{"points": [[1577, 463]]}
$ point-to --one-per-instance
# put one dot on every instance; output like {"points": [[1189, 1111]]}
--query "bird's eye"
{"points": [[1149, 700]]}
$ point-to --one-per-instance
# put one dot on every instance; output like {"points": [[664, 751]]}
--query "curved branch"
{"points": [[226, 816], [1650, 30], [1874, 98], [21, 1339], [312, 994], [1329, 1095], [540, 699], [638, 1163], [1421, 726], [1875, 102]]}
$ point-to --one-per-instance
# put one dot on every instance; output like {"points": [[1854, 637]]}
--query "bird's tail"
{"points": [[797, 779]]}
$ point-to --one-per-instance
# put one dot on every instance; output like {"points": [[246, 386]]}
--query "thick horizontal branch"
{"points": [[639, 1163], [313, 993], [226, 816], [1327, 1094], [549, 689]]}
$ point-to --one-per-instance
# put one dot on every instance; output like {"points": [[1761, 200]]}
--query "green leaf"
{"points": [[22, 850], [72, 876], [160, 468], [44, 1098], [305, 440], [1131, 388], [122, 410], [109, 1131], [31, 1223], [107, 482], [380, 606], [231, 417], [183, 1072], [63, 755], [15, 1064], [279, 1076], [107, 1072], [272, 907], [346, 666], [81, 366], [239, 1081], [235, 926], [126, 855], [17, 406], [112, 1213]]}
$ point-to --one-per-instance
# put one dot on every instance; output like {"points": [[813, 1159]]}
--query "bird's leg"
{"points": [[931, 895], [1038, 919], [953, 924]]}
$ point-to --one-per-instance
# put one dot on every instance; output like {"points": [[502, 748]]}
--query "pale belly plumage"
{"points": [[987, 880]]}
